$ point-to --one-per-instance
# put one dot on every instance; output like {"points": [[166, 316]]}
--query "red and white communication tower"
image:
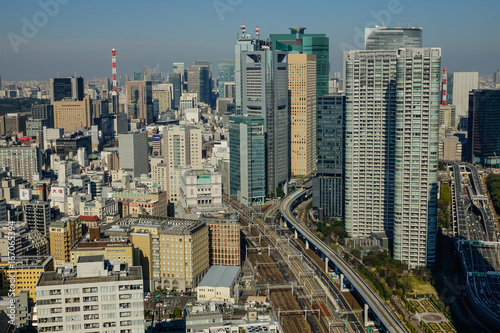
{"points": [[243, 28], [257, 32], [445, 85], [113, 71]]}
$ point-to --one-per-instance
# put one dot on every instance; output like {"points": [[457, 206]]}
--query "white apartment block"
{"points": [[391, 148], [96, 297]]}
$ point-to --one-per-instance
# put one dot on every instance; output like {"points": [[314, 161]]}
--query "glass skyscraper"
{"points": [[484, 123], [384, 38], [247, 158], [392, 105], [328, 185], [226, 74], [299, 42], [265, 95]]}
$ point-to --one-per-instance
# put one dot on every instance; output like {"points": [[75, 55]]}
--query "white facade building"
{"points": [[96, 297]]}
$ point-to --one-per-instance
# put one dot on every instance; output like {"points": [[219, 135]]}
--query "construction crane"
{"points": [[157, 66]]}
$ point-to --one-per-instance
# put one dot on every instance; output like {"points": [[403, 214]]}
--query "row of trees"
{"points": [[15, 105], [493, 184]]}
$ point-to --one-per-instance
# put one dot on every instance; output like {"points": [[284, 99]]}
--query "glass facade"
{"points": [[484, 122], [226, 74], [383, 38], [299, 42], [247, 159], [328, 185]]}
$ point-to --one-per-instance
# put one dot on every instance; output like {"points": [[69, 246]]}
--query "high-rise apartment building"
{"points": [[22, 161], [247, 158], [224, 239], [484, 124], [302, 90], [299, 42], [198, 81], [37, 216], [328, 185], [226, 74], [71, 114], [133, 153], [140, 101], [62, 236], [69, 89], [392, 103], [96, 296], [265, 95], [384, 38]]}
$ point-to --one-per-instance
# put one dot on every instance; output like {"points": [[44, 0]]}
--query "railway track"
{"points": [[308, 300]]}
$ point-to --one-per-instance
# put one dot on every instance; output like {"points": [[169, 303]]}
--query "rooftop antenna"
{"points": [[398, 24], [242, 27], [410, 24], [75, 74], [257, 31], [57, 74]]}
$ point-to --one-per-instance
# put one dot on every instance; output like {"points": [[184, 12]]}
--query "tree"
{"points": [[177, 312], [279, 192]]}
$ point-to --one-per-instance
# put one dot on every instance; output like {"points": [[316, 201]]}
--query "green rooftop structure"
{"points": [[299, 42]]}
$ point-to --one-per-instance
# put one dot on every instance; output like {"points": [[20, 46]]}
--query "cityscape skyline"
{"points": [[63, 43]]}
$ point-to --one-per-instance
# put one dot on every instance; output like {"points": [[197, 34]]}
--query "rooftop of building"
{"points": [[69, 276], [28, 262], [160, 223], [220, 276]]}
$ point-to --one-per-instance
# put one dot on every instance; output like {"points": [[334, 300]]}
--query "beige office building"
{"points": [[62, 236], [302, 87], [447, 116], [174, 253], [71, 114]]}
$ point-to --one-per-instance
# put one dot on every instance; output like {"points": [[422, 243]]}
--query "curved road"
{"points": [[375, 303]]}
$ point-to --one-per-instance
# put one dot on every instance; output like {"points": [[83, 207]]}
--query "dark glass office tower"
{"points": [[176, 80], [70, 88], [484, 123], [328, 185]]}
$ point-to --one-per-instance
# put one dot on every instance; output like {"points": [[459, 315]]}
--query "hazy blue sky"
{"points": [[79, 35]]}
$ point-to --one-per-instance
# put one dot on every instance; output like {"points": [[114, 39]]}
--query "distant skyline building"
{"points": [[265, 95], [247, 160], [328, 185], [391, 151], [302, 94], [133, 153], [70, 88], [176, 80], [461, 85], [484, 126], [43, 111], [226, 74], [140, 101], [71, 114], [198, 81], [299, 42], [384, 38]]}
